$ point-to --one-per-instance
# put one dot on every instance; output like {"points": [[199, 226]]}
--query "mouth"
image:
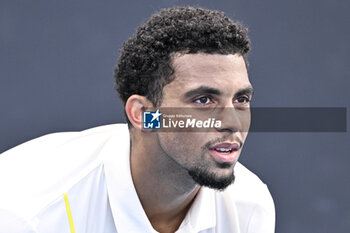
{"points": [[225, 152]]}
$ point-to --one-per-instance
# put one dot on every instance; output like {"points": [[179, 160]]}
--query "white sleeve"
{"points": [[11, 223]]}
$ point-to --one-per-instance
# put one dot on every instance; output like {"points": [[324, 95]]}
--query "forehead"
{"points": [[224, 72], [211, 62]]}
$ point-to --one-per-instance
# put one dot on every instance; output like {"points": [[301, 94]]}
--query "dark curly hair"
{"points": [[144, 66]]}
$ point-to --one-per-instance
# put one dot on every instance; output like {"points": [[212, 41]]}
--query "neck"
{"points": [[165, 190]]}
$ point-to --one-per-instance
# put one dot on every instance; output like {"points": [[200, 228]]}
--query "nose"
{"points": [[232, 120]]}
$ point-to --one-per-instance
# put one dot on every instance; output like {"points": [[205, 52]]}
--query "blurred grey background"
{"points": [[56, 65]]}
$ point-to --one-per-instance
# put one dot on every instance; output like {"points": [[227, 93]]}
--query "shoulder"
{"points": [[35, 173], [252, 201], [60, 140]]}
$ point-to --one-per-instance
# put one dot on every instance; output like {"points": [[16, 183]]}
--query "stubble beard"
{"points": [[204, 177]]}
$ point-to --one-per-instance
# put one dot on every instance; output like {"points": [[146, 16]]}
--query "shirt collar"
{"points": [[127, 210], [202, 214]]}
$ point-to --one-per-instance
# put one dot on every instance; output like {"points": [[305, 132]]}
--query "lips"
{"points": [[225, 152], [225, 147]]}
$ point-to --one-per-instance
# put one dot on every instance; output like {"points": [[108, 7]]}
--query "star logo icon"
{"points": [[156, 115]]}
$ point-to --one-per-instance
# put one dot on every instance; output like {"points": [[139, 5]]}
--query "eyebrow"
{"points": [[202, 90], [213, 91], [245, 91]]}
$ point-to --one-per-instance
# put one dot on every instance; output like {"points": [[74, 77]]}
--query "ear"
{"points": [[134, 108]]}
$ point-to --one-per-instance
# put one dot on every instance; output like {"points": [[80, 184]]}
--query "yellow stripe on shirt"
{"points": [[69, 213]]}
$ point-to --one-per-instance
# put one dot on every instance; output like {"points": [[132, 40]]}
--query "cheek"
{"points": [[245, 118], [182, 146], [245, 121], [244, 136], [170, 144]]}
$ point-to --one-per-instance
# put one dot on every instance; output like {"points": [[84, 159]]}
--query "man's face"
{"points": [[209, 81]]}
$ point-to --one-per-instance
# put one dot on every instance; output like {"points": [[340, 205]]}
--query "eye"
{"points": [[203, 100], [242, 100]]}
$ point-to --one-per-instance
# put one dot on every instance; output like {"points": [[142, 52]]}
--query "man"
{"points": [[125, 178]]}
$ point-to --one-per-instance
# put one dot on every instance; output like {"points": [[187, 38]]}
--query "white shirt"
{"points": [[92, 168]]}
